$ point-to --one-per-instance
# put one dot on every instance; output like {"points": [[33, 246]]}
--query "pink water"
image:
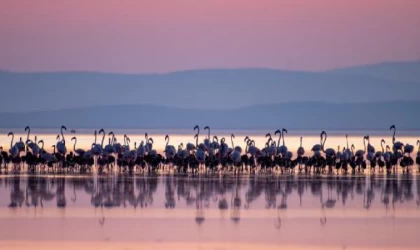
{"points": [[372, 211]]}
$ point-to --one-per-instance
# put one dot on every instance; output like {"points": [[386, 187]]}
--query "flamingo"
{"points": [[207, 140], [198, 130], [117, 146], [272, 149], [126, 146], [236, 158], [33, 146], [61, 145], [223, 149], [47, 157], [418, 154], [318, 147], [14, 149], [282, 149], [97, 148], [347, 152], [27, 128], [230, 150], [148, 143], [379, 154], [278, 131], [141, 151], [301, 150], [170, 150], [329, 152], [252, 149], [200, 154], [370, 148], [4, 157], [79, 152], [396, 145], [216, 144], [361, 153], [110, 149], [408, 149]]}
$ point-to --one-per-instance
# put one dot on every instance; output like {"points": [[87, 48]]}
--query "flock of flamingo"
{"points": [[209, 156]]}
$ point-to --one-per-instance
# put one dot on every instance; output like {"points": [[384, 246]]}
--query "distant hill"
{"points": [[269, 116], [208, 89], [394, 71]]}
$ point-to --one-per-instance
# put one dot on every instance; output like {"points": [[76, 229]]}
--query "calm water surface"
{"points": [[294, 212]]}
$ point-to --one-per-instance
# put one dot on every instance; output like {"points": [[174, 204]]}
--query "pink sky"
{"points": [[168, 35]]}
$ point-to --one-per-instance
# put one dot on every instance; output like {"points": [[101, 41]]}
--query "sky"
{"points": [[147, 36]]}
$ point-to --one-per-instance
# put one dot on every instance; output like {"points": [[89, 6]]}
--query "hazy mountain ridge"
{"points": [[198, 89], [312, 115], [396, 71]]}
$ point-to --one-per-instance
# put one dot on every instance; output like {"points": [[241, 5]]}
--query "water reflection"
{"points": [[230, 195]]}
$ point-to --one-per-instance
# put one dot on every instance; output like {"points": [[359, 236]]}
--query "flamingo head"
{"points": [[73, 138], [166, 137], [10, 133], [268, 135], [232, 136], [382, 141], [58, 137], [246, 139], [206, 127], [277, 132], [196, 127], [284, 130], [64, 127], [215, 138], [26, 128]]}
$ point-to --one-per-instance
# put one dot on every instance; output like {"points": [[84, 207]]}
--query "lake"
{"points": [[121, 211], [220, 211]]}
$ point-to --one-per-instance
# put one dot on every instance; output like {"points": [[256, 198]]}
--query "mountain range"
{"points": [[303, 115], [370, 96]]}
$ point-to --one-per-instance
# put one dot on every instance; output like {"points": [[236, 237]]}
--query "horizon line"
{"points": [[206, 69]]}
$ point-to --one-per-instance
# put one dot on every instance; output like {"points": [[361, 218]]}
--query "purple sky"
{"points": [[168, 35]]}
